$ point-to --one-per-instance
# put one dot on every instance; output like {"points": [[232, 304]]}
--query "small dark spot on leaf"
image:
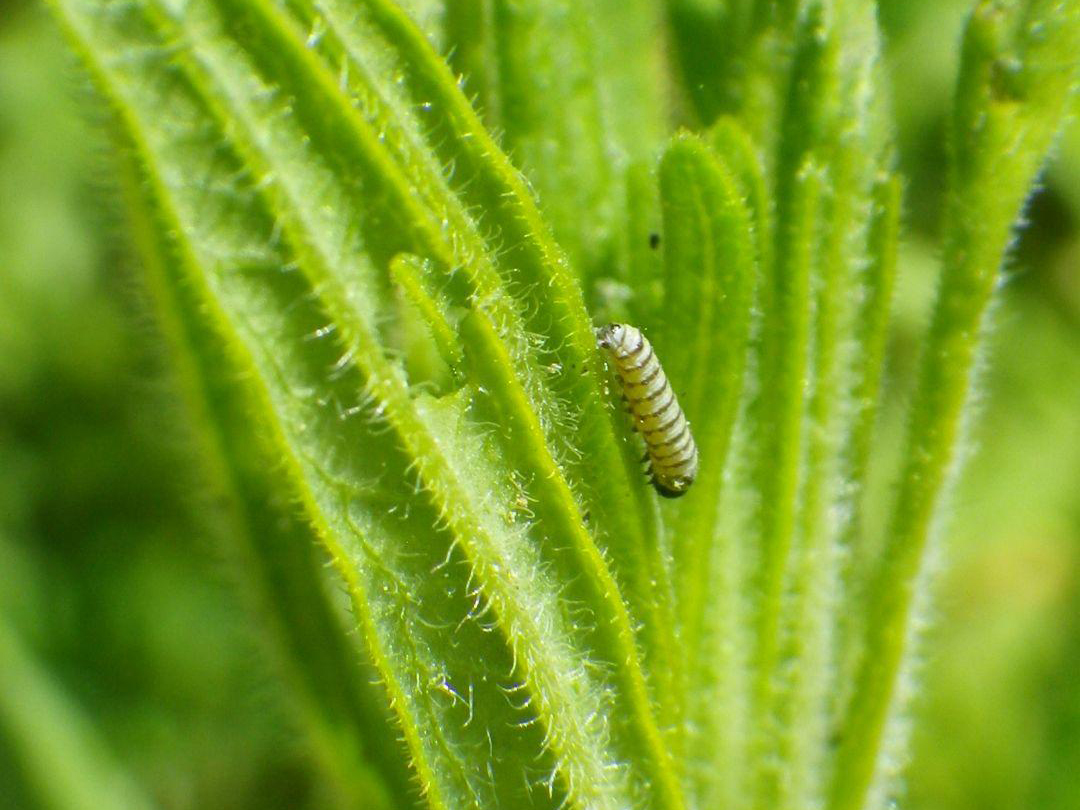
{"points": [[1007, 80], [654, 240]]}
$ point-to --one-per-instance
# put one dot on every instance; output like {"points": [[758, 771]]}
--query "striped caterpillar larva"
{"points": [[672, 454]]}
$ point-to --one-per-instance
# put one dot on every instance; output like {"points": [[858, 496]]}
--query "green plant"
{"points": [[386, 346]]}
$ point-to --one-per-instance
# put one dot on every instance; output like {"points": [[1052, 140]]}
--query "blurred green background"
{"points": [[103, 543]]}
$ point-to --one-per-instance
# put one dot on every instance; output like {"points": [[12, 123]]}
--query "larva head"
{"points": [[673, 487]]}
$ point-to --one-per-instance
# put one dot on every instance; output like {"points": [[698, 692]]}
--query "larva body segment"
{"points": [[672, 454]]}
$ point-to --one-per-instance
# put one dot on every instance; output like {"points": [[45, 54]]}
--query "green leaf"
{"points": [[569, 722], [744, 157], [553, 77], [831, 115], [272, 554], [531, 265], [1020, 67], [785, 363], [637, 294], [703, 340], [414, 276], [380, 328]]}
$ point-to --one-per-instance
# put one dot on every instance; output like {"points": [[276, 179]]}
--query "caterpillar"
{"points": [[670, 448]]}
